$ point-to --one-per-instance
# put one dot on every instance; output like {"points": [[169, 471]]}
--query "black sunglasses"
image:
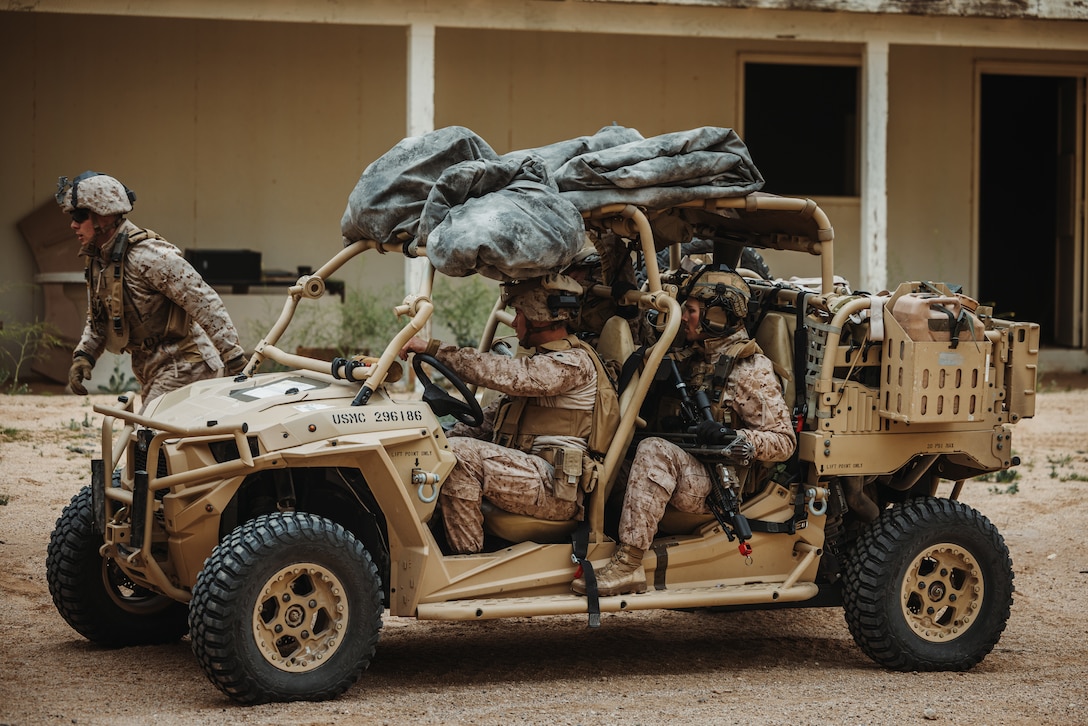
{"points": [[79, 216]]}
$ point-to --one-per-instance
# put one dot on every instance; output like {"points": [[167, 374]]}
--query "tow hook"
{"points": [[817, 501], [423, 479]]}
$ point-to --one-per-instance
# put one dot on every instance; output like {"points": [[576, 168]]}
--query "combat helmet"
{"points": [[552, 298], [724, 294], [96, 192]]}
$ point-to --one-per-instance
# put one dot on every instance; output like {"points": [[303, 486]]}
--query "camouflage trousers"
{"points": [[173, 375], [661, 474], [510, 479]]}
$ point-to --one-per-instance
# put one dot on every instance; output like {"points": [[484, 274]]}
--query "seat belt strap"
{"points": [[579, 550]]}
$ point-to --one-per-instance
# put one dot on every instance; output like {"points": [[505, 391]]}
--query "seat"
{"points": [[673, 521], [775, 339], [614, 347]]}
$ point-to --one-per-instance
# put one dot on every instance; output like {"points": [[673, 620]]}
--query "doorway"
{"points": [[1030, 236]]}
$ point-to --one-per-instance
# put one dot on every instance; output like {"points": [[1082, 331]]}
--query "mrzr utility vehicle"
{"points": [[275, 517]]}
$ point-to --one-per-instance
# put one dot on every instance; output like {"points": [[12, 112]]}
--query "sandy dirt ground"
{"points": [[785, 667]]}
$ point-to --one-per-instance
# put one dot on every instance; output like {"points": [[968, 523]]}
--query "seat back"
{"points": [[775, 338]]}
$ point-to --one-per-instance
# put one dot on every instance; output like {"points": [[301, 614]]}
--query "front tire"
{"points": [[94, 595], [928, 587], [288, 607]]}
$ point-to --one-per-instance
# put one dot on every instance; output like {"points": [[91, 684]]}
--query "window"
{"points": [[801, 126]]}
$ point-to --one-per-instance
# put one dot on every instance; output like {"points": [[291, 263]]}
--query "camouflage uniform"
{"points": [[516, 481], [663, 473], [155, 273]]}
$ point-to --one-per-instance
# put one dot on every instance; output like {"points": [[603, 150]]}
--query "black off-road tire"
{"points": [[94, 595], [288, 607], [928, 587]]}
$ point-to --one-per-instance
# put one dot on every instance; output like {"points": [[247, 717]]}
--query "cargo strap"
{"points": [[798, 521], [579, 550], [800, 358], [627, 371], [956, 323]]}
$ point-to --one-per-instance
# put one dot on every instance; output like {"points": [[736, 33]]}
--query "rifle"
{"points": [[720, 445]]}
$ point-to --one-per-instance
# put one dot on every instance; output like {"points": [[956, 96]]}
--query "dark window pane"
{"points": [[801, 125]]}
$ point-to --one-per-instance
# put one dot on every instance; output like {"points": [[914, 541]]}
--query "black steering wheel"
{"points": [[468, 411]]}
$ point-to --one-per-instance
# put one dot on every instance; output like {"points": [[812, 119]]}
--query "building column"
{"points": [[874, 168], [419, 116]]}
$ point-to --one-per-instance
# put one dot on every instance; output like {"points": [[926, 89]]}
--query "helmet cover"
{"points": [[99, 193], [551, 298], [724, 293]]}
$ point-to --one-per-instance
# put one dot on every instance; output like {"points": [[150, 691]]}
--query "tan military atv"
{"points": [[276, 517]]}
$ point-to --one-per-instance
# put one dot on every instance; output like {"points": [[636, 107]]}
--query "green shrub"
{"points": [[464, 307], [20, 345]]}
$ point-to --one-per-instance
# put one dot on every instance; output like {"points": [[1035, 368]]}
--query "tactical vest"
{"points": [[107, 302], [520, 420], [701, 375], [724, 366]]}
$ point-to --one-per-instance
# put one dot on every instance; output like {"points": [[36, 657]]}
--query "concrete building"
{"points": [[945, 139]]}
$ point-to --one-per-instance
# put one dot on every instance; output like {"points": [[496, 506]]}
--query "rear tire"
{"points": [[928, 587], [288, 607], [94, 595]]}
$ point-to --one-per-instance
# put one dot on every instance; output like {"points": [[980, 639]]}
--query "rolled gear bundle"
{"points": [[559, 153], [471, 211], [388, 200], [662, 170], [502, 219], [553, 297]]}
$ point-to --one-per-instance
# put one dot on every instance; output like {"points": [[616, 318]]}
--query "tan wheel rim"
{"points": [[942, 592], [300, 618]]}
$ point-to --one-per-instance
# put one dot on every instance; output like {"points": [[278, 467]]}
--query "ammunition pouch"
{"points": [[572, 469], [178, 323]]}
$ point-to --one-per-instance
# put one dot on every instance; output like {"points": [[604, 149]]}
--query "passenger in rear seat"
{"points": [[721, 359], [516, 458]]}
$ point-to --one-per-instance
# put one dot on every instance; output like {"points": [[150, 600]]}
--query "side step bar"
{"points": [[691, 597]]}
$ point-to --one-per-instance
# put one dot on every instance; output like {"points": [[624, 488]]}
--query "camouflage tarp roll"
{"points": [[557, 154], [503, 219], [662, 170], [518, 216], [472, 211], [388, 199]]}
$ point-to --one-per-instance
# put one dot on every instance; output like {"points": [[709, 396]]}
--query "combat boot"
{"points": [[622, 574]]}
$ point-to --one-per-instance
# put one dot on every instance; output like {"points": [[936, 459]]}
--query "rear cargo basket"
{"points": [[931, 381]]}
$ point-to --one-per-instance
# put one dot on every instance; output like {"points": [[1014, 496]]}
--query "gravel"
{"points": [[769, 667]]}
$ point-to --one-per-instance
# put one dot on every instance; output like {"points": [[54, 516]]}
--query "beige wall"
{"points": [[522, 89], [930, 162], [233, 135], [239, 134]]}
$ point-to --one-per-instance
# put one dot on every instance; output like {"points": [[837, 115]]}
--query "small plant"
{"points": [[464, 307], [1063, 462], [4, 500], [120, 381], [20, 345], [1004, 476], [9, 433], [367, 321]]}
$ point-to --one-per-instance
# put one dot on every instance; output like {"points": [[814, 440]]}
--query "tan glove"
{"points": [[79, 372], [235, 365]]}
